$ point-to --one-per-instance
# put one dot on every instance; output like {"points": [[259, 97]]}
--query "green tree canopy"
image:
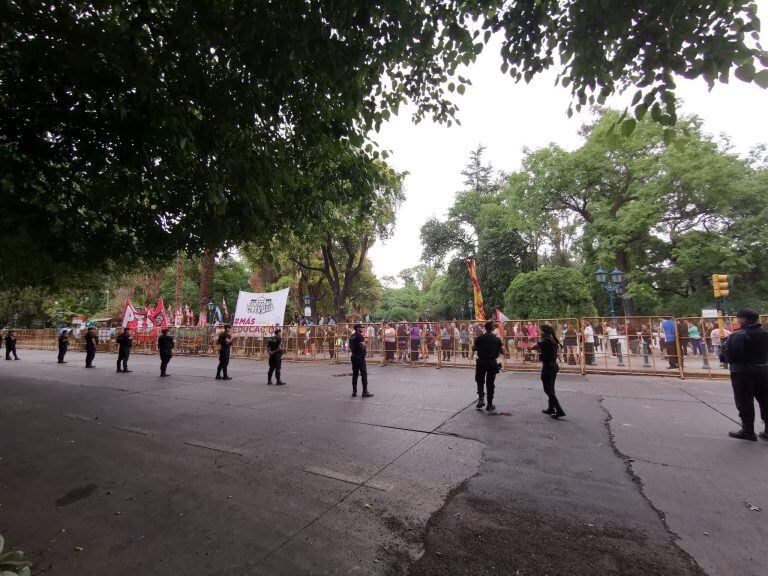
{"points": [[549, 293], [138, 129]]}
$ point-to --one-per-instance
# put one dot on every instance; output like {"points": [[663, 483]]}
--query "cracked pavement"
{"points": [[187, 474]]}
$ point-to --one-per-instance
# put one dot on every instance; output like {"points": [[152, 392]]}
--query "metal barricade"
{"points": [[686, 347]]}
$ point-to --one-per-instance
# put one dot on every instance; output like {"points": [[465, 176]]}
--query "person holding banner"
{"points": [[275, 351], [225, 343]]}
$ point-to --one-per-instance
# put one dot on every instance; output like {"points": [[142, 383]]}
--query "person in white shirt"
{"points": [[370, 339], [589, 343]]}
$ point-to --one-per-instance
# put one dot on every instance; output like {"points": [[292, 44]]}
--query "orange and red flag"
{"points": [[479, 307]]}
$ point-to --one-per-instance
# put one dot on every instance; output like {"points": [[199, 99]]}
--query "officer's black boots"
{"points": [[490, 407], [747, 431], [280, 382], [354, 391], [365, 393], [480, 401]]}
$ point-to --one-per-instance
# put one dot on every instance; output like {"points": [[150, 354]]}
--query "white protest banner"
{"points": [[256, 309]]}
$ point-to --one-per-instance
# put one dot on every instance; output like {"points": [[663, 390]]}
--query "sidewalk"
{"points": [[192, 475]]}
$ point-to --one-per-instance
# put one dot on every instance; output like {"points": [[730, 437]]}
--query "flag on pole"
{"points": [[478, 299], [500, 317], [217, 311], [224, 306]]}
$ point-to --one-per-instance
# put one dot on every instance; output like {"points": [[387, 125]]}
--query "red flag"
{"points": [[224, 307], [159, 317]]}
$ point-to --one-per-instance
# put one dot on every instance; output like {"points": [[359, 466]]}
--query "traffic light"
{"points": [[720, 285]]}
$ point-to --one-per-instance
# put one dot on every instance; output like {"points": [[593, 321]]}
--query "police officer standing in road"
{"points": [[225, 343], [10, 345], [124, 344], [275, 351], [746, 353], [488, 347], [63, 345], [165, 346], [91, 339], [357, 348]]}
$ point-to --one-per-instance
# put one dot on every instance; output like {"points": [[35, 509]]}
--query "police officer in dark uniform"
{"points": [[275, 351], [488, 347], [63, 345], [91, 339], [225, 343], [357, 348], [746, 353], [10, 345], [165, 346], [124, 344]]}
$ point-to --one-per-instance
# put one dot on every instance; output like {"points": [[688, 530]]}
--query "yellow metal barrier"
{"points": [[597, 345]]}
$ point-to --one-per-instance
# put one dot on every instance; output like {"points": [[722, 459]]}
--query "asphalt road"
{"points": [[104, 473]]}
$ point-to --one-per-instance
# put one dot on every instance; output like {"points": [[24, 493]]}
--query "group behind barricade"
{"points": [[682, 347]]}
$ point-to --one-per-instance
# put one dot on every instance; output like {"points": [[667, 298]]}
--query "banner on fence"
{"points": [[257, 309], [146, 321]]}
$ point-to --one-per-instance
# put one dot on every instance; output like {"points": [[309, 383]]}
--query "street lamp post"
{"points": [[614, 285], [427, 311], [470, 306], [209, 306]]}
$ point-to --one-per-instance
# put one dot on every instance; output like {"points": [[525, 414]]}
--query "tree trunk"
{"points": [[206, 279], [622, 263], [150, 283], [179, 282]]}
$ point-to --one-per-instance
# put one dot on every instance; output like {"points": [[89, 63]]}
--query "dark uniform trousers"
{"points": [[165, 357], [750, 385], [10, 350], [359, 369], [90, 354], [485, 377], [62, 351], [122, 357], [275, 364], [548, 377], [223, 363]]}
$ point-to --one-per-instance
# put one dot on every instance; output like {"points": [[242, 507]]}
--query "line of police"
{"points": [[745, 352]]}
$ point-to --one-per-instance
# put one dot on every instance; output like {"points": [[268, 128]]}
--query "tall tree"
{"points": [[205, 124], [668, 215], [207, 265], [336, 244], [474, 229]]}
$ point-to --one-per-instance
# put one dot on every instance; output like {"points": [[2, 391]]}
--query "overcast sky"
{"points": [[506, 117]]}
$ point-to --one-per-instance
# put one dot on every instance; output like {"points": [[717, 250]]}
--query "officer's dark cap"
{"points": [[227, 326], [358, 325], [748, 314], [164, 330], [489, 326]]}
